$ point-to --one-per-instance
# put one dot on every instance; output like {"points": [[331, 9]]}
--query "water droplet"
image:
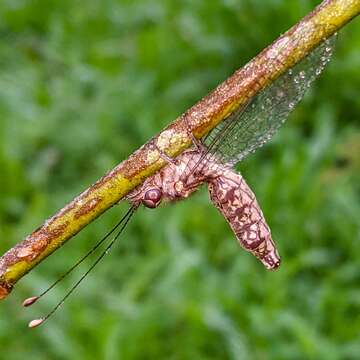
{"points": [[280, 94], [302, 74], [272, 53]]}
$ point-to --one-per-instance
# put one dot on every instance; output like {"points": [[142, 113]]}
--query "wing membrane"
{"points": [[252, 126]]}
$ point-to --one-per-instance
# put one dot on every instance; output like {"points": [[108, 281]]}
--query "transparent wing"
{"points": [[252, 126]]}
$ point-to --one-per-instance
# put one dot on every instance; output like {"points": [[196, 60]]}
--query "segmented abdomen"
{"points": [[235, 200]]}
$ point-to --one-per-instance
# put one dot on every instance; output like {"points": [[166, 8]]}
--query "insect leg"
{"points": [[166, 157], [197, 142]]}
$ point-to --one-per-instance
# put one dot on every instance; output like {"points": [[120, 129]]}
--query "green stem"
{"points": [[286, 51]]}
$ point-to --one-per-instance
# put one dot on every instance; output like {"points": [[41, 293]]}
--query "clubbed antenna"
{"points": [[31, 300]]}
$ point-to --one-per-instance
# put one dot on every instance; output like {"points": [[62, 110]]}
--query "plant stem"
{"points": [[233, 93]]}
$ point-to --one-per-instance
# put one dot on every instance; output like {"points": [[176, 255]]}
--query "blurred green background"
{"points": [[82, 85]]}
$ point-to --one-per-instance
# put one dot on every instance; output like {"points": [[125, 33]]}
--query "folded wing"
{"points": [[252, 126]]}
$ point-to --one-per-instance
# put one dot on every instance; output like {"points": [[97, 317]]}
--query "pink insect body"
{"points": [[228, 192], [240, 134], [212, 161]]}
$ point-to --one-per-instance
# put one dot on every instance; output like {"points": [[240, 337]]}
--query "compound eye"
{"points": [[152, 198]]}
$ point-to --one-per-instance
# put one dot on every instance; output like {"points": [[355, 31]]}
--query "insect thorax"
{"points": [[176, 181]]}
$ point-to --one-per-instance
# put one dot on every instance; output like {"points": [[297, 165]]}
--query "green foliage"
{"points": [[82, 85]]}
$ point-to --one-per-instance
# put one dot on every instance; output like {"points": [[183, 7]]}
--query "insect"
{"points": [[228, 192], [212, 161]]}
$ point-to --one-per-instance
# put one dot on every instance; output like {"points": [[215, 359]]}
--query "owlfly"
{"points": [[212, 161]]}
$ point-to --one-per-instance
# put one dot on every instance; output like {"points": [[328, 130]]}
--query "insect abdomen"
{"points": [[235, 200]]}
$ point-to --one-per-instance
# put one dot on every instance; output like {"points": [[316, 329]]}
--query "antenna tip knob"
{"points": [[29, 301], [35, 323]]}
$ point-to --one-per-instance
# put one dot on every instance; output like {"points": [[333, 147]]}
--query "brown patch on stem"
{"points": [[87, 207], [56, 231], [4, 291], [25, 252], [40, 245]]}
